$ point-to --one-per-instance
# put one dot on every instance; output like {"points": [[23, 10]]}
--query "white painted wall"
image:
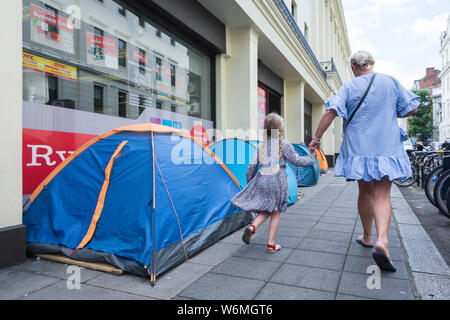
{"points": [[11, 115]]}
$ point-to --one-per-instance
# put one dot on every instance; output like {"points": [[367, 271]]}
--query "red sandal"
{"points": [[272, 248], [248, 234]]}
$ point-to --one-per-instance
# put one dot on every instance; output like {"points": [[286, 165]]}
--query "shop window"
{"points": [[123, 103], [306, 32], [158, 62], [172, 75], [52, 22], [142, 59], [142, 22], [122, 11], [79, 68], [122, 53], [294, 10], [142, 104], [98, 98], [52, 83]]}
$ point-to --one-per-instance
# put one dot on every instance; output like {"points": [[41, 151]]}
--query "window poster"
{"points": [[102, 51], [51, 29], [262, 107], [50, 67]]}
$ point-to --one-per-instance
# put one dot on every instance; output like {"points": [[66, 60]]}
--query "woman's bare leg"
{"points": [[365, 209], [382, 212], [273, 227]]}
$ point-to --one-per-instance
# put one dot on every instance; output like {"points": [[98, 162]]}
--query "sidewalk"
{"points": [[319, 260]]}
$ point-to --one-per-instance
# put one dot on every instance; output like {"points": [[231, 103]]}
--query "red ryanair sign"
{"points": [[43, 151]]}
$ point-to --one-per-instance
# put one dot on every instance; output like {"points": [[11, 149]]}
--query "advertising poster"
{"points": [[50, 67], [262, 109], [32, 62], [50, 29], [102, 51]]}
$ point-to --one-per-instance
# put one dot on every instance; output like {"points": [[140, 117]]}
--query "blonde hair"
{"points": [[273, 124]]}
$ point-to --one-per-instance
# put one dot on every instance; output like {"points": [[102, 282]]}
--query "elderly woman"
{"points": [[372, 152]]}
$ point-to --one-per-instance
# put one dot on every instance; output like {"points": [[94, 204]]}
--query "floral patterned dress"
{"points": [[267, 188]]}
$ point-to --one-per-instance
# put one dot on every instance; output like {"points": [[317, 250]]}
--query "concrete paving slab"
{"points": [[256, 251], [16, 284], [423, 256], [337, 247], [247, 268], [167, 285], [214, 286], [60, 291], [283, 241], [307, 277], [329, 235], [333, 227], [341, 296], [358, 250], [338, 220], [292, 232], [390, 289], [432, 286], [215, 254], [55, 270], [412, 232], [317, 259], [274, 291], [361, 264]]}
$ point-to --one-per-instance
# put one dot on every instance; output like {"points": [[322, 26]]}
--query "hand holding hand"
{"points": [[314, 145]]}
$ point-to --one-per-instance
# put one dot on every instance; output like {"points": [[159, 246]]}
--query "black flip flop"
{"points": [[383, 261], [363, 244]]}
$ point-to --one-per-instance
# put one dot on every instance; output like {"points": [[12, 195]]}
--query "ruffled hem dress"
{"points": [[372, 147], [267, 188]]}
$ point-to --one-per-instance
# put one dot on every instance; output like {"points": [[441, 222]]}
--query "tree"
{"points": [[421, 124]]}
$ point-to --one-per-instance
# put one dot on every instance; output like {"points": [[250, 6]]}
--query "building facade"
{"points": [[432, 82], [212, 68], [444, 128]]}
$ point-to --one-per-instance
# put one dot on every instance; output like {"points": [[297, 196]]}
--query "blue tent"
{"points": [[306, 176], [143, 198], [237, 155]]}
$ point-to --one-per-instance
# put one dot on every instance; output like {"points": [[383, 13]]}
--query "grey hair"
{"points": [[362, 59]]}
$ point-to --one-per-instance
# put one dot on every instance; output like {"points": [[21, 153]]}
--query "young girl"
{"points": [[267, 191]]}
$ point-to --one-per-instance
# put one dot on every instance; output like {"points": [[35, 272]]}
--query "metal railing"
{"points": [[330, 66], [290, 19]]}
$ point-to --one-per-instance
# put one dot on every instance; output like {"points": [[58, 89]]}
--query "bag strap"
{"points": [[362, 100]]}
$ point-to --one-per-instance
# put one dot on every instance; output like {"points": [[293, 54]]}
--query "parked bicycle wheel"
{"points": [[440, 193], [448, 202], [430, 182], [410, 181]]}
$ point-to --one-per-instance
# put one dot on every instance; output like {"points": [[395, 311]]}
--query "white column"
{"points": [[237, 93], [11, 118], [294, 110]]}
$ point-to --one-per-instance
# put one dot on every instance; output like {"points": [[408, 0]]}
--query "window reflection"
{"points": [[115, 63]]}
